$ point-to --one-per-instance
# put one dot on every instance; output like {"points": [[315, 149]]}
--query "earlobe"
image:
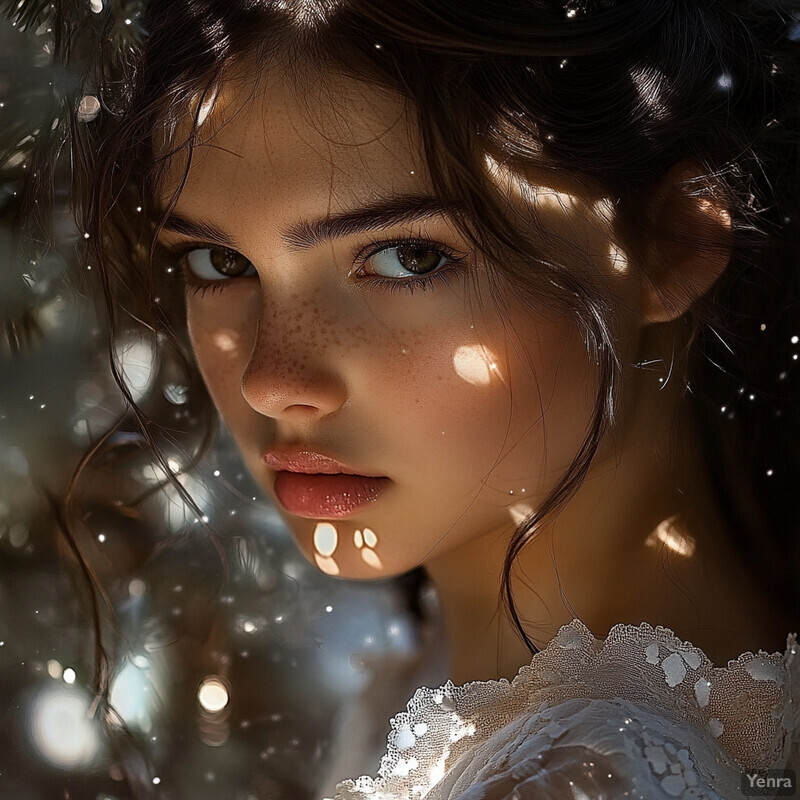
{"points": [[691, 248]]}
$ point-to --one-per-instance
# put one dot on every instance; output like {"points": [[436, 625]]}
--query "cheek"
{"points": [[473, 435], [501, 403], [222, 344], [472, 417]]}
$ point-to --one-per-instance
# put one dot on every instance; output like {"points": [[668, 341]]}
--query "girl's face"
{"points": [[392, 399]]}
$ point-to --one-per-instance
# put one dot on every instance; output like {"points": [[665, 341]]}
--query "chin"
{"points": [[354, 567], [342, 549]]}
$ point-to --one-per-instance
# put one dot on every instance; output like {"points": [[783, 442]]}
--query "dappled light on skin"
{"points": [[668, 535], [326, 540], [366, 541], [520, 512], [545, 197], [326, 565], [476, 365], [549, 199], [710, 209], [619, 261], [487, 367], [227, 341], [604, 210], [566, 208]]}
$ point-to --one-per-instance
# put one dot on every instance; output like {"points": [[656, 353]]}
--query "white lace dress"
{"points": [[639, 715]]}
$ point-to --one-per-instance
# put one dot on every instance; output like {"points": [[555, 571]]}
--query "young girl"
{"points": [[500, 289]]}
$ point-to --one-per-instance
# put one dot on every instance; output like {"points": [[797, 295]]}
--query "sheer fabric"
{"points": [[641, 714]]}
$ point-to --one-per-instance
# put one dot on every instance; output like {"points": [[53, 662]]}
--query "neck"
{"points": [[641, 541]]}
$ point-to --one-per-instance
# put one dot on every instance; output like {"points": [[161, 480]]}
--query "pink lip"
{"points": [[313, 485], [307, 461]]}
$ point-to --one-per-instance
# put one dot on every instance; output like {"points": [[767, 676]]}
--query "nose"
{"points": [[292, 375]]}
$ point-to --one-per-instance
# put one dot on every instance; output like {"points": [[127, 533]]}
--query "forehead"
{"points": [[314, 143]]}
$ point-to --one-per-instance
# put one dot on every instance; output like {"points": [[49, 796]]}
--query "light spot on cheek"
{"points": [[475, 364], [227, 341]]}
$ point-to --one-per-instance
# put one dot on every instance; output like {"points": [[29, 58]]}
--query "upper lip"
{"points": [[309, 462]]}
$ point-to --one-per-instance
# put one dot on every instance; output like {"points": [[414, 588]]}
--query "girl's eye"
{"points": [[218, 263], [405, 260]]}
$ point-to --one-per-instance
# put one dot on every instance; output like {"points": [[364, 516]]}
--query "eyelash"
{"points": [[455, 261]]}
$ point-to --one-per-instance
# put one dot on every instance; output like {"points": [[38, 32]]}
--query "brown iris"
{"points": [[228, 262], [418, 259]]}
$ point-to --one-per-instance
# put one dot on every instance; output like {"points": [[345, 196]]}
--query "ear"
{"points": [[691, 247]]}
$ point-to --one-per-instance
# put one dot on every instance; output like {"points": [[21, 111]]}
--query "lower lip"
{"points": [[326, 496]]}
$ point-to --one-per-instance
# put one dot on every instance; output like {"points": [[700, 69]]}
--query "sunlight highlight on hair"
{"points": [[652, 88], [308, 13], [544, 196], [207, 107]]}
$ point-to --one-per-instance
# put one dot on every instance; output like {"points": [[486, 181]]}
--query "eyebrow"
{"points": [[199, 229], [382, 213]]}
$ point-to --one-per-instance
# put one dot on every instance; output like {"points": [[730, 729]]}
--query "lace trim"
{"points": [[744, 714]]}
